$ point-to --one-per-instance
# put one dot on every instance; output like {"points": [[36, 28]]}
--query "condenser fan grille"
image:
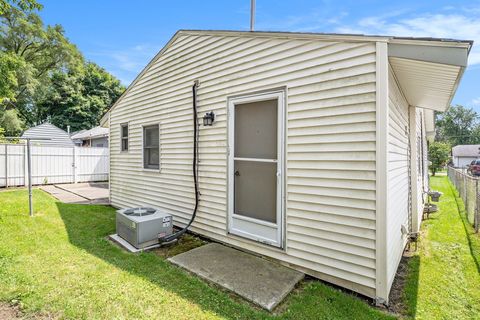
{"points": [[139, 212]]}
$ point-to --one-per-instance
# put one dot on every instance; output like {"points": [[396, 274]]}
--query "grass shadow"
{"points": [[88, 231], [473, 243], [87, 228], [410, 292]]}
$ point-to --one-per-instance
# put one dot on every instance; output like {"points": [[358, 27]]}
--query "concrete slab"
{"points": [[81, 193], [90, 191], [64, 196], [258, 280], [124, 244]]}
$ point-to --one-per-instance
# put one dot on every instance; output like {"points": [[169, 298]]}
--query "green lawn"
{"points": [[444, 275], [60, 263]]}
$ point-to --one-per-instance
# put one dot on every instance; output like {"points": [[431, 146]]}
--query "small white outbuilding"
{"points": [[317, 152], [464, 154], [95, 137], [56, 136]]}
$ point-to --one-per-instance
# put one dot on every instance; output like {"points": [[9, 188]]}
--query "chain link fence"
{"points": [[468, 189]]}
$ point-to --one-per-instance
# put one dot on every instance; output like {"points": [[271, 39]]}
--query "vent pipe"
{"points": [[252, 15]]}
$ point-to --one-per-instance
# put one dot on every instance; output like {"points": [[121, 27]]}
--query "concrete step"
{"points": [[258, 280]]}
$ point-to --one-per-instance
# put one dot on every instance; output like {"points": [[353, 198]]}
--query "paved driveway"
{"points": [[83, 193]]}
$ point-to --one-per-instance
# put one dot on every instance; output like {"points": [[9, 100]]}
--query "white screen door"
{"points": [[255, 206]]}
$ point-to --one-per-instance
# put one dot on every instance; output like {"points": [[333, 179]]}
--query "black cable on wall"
{"points": [[177, 234]]}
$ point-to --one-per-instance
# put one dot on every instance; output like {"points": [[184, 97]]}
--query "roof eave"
{"points": [[319, 36]]}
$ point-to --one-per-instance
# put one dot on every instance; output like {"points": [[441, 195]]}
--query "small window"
{"points": [[151, 147], [124, 136]]}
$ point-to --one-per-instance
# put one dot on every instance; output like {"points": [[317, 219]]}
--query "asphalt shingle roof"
{"points": [[466, 150]]}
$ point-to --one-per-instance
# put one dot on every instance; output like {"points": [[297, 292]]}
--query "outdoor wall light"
{"points": [[208, 118]]}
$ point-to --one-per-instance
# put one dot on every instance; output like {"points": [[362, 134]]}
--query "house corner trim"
{"points": [[381, 171]]}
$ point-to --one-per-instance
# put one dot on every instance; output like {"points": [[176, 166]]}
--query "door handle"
{"points": [[237, 173]]}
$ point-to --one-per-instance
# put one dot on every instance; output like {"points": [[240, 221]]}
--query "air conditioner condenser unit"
{"points": [[142, 227]]}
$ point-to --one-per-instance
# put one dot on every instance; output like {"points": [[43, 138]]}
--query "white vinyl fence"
{"points": [[52, 165]]}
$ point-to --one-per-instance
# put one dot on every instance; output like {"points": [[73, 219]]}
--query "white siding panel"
{"points": [[330, 153], [397, 175]]}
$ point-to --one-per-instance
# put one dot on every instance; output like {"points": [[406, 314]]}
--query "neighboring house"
{"points": [[57, 136], [95, 137], [462, 155], [317, 156]]}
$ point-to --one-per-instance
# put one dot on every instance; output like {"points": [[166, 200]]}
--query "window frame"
{"points": [[122, 125], [144, 167]]}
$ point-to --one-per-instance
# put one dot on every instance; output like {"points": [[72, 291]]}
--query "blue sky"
{"points": [[122, 36]]}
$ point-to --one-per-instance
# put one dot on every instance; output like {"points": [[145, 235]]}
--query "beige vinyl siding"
{"points": [[330, 144], [397, 175]]}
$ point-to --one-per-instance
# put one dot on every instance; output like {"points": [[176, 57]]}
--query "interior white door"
{"points": [[255, 207]]}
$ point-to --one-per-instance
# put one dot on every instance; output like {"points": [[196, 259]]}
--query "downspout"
{"points": [[414, 227], [179, 233], [409, 169]]}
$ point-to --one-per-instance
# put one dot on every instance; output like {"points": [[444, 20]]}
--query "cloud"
{"points": [[443, 22], [454, 26], [314, 21], [476, 101], [126, 63]]}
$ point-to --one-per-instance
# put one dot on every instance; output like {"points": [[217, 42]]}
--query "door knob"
{"points": [[237, 173]]}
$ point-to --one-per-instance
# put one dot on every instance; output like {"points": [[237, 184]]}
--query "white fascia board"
{"points": [[105, 120], [432, 42], [454, 56], [289, 35]]}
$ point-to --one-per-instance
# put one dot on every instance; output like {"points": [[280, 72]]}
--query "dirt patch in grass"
{"points": [[8, 312], [408, 270], [397, 304], [13, 312], [186, 243]]}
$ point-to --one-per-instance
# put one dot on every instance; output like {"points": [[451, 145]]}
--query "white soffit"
{"points": [[426, 84]]}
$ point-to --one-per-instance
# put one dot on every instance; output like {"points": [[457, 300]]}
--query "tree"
{"points": [[26, 5], [438, 154], [40, 50], [8, 81], [458, 125], [46, 77], [10, 123], [79, 99]]}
